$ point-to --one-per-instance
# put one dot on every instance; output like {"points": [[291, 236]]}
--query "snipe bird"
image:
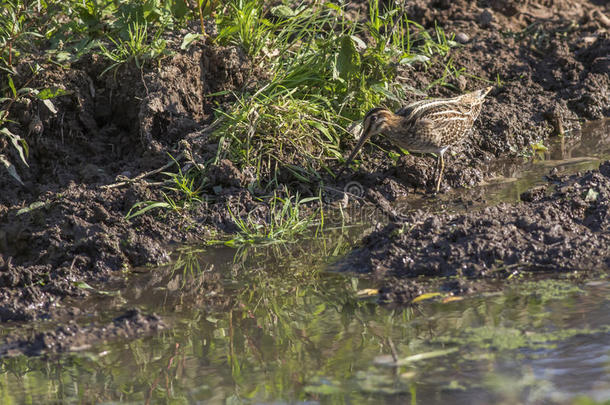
{"points": [[426, 126]]}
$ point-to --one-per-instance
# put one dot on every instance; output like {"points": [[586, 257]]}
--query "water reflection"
{"points": [[285, 332]]}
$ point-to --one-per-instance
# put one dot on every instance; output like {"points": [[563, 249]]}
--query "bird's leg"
{"points": [[440, 174]]}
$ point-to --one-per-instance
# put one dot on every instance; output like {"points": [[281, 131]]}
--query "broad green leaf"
{"points": [[18, 144], [179, 8], [380, 89], [189, 39], [49, 104], [12, 85], [282, 11], [333, 6], [591, 195], [33, 206], [410, 59], [319, 126], [348, 60], [52, 92], [360, 43]]}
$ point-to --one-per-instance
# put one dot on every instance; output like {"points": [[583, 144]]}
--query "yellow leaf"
{"points": [[367, 292], [426, 296], [451, 299]]}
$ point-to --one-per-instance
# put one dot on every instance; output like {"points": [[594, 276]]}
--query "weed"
{"points": [[285, 222], [136, 48], [243, 23], [186, 187]]}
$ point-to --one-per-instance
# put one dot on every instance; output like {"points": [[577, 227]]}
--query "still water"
{"points": [[271, 325], [280, 330]]}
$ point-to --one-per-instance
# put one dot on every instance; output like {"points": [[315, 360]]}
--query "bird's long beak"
{"points": [[366, 134]]}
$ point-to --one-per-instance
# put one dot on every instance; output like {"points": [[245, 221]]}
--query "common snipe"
{"points": [[427, 126]]}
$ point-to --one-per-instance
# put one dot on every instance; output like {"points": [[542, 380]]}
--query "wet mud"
{"points": [[560, 228], [65, 228]]}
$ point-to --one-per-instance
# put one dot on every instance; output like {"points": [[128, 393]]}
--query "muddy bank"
{"points": [[555, 229], [67, 223], [73, 337]]}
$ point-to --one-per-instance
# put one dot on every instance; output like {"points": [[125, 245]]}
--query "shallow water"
{"points": [[291, 333], [269, 325]]}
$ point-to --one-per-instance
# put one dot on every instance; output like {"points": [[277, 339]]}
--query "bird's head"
{"points": [[376, 121]]}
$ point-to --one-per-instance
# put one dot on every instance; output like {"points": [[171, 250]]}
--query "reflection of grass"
{"points": [[547, 290], [501, 338], [291, 332]]}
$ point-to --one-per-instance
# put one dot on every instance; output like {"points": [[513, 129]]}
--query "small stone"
{"points": [[36, 126], [534, 194], [462, 83], [462, 38], [485, 18]]}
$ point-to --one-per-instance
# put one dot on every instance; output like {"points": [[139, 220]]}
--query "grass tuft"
{"points": [[284, 223]]}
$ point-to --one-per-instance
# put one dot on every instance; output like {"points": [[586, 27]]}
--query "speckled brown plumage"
{"points": [[426, 126]]}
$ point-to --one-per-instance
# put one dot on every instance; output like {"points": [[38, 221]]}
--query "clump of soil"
{"points": [[71, 337], [568, 230]]}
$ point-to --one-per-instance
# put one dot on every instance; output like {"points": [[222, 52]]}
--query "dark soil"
{"points": [[65, 226], [73, 337], [566, 231]]}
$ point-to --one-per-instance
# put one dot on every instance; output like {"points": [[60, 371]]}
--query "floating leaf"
{"points": [[367, 292], [425, 356], [426, 296]]}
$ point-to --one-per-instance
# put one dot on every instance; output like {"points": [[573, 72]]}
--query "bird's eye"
{"points": [[373, 118]]}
